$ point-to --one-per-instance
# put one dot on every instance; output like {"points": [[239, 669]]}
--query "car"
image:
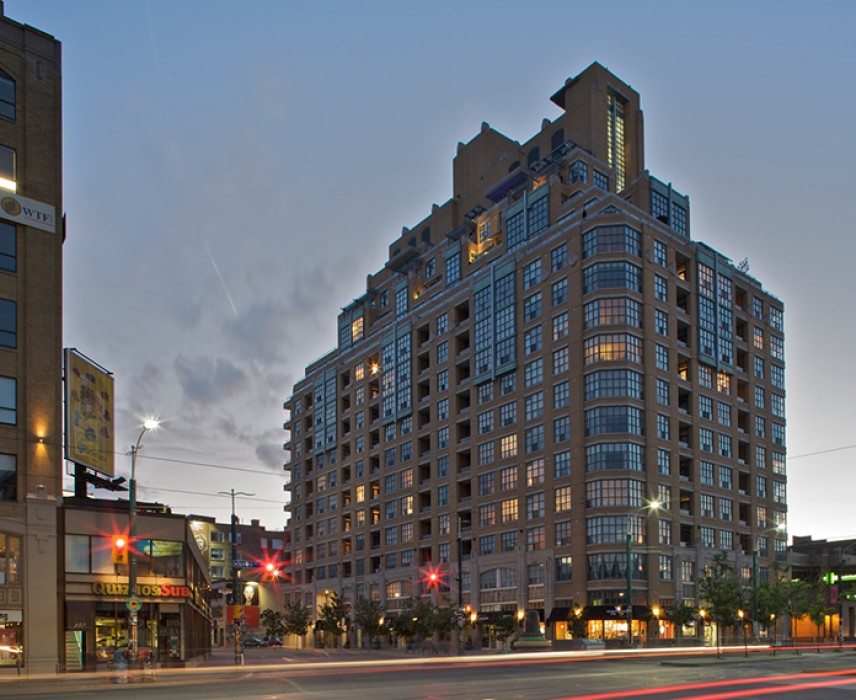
{"points": [[274, 641], [254, 642]]}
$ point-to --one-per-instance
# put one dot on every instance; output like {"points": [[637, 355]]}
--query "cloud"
{"points": [[208, 380], [272, 454]]}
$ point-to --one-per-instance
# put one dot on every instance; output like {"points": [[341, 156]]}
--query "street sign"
{"points": [[133, 603], [243, 564]]}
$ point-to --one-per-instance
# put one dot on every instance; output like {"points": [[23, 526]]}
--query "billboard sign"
{"points": [[88, 413]]}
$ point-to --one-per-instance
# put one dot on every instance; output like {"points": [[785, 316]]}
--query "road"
{"points": [[555, 676]]}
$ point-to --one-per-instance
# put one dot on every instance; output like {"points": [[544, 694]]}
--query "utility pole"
{"points": [[237, 608]]}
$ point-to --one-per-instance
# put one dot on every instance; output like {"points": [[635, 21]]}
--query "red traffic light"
{"points": [[120, 549]]}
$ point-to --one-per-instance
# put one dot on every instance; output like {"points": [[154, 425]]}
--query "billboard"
{"points": [[88, 413]]}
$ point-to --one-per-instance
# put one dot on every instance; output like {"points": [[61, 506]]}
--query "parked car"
{"points": [[254, 642], [273, 641]]}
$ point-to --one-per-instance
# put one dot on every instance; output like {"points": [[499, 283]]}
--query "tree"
{"points": [[368, 615], [501, 625], [579, 627], [681, 616], [773, 599], [272, 622], [721, 591], [415, 621], [296, 619], [333, 617], [818, 606]]}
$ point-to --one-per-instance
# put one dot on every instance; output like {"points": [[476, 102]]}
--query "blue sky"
{"points": [[210, 145]]}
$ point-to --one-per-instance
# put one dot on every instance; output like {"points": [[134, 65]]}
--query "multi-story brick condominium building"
{"points": [[31, 240], [539, 361]]}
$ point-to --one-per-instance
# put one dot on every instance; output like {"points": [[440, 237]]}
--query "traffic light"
{"points": [[120, 549], [271, 571]]}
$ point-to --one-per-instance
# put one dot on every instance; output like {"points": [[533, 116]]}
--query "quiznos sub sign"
{"points": [[143, 590]]}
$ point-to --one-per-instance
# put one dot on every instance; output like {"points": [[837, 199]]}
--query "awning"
{"points": [[559, 615], [610, 612]]}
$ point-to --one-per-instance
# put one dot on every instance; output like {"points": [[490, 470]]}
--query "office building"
{"points": [[31, 240], [541, 358]]}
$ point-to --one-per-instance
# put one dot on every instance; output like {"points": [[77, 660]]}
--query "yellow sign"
{"points": [[89, 413]]}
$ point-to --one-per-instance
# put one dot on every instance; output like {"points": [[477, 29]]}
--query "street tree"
{"points": [[333, 617], [296, 619], [272, 621], [367, 616], [722, 593], [681, 616]]}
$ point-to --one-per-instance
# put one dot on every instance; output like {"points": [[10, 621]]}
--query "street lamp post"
{"points": [[652, 506], [741, 615], [629, 581], [236, 594], [841, 552], [133, 604]]}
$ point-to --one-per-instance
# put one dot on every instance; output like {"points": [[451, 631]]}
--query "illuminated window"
{"points": [[615, 136], [508, 446], [7, 169], [357, 329], [535, 472], [509, 510], [563, 498], [508, 478]]}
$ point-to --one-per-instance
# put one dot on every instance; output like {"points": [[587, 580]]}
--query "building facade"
{"points": [[173, 586], [31, 240], [539, 360], [259, 584]]}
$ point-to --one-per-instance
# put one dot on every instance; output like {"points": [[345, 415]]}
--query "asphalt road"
{"points": [[806, 676]]}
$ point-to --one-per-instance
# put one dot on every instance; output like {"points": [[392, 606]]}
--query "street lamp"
{"points": [[841, 552], [652, 506], [741, 615], [133, 602], [236, 619], [779, 529]]}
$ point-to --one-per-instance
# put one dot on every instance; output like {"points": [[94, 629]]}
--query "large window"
{"points": [[611, 239], [7, 96], [612, 347], [613, 383], [10, 558], [8, 247], [612, 275], [615, 455], [8, 401], [613, 311], [8, 478]]}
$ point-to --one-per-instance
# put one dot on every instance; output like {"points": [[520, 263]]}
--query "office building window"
{"points": [[561, 464], [532, 274], [611, 239], [558, 257], [8, 247], [612, 275], [8, 478], [560, 326], [8, 321], [661, 288], [8, 401], [7, 96]]}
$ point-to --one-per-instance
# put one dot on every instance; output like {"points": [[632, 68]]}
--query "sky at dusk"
{"points": [[234, 170]]}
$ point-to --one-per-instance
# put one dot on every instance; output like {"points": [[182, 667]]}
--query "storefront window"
{"points": [[161, 558], [10, 556], [85, 554], [10, 640]]}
